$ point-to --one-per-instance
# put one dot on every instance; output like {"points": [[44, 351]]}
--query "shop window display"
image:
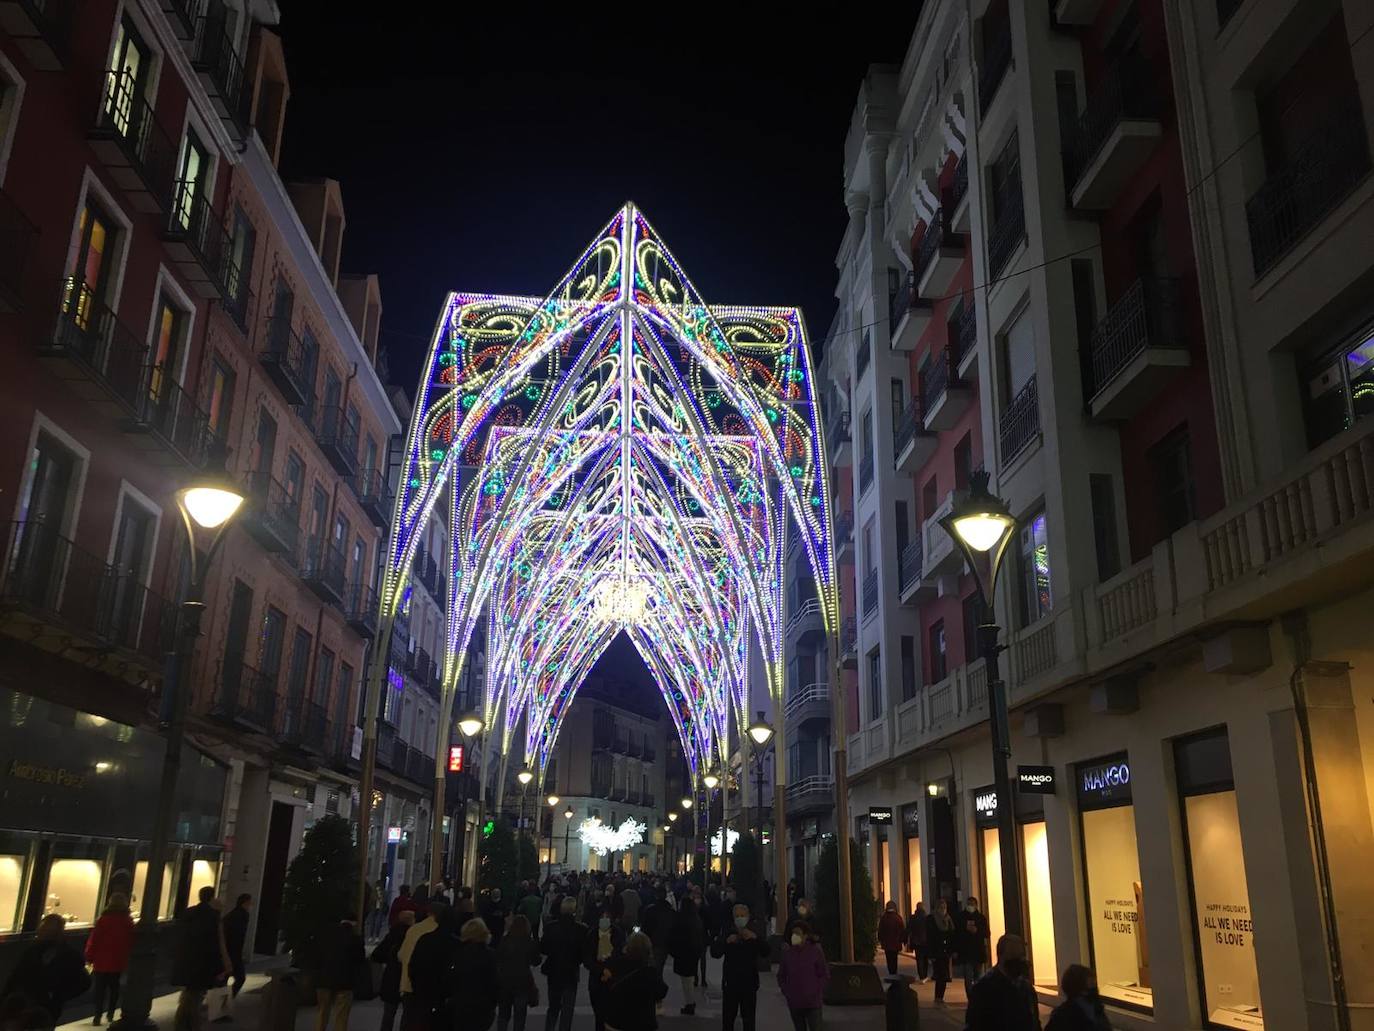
{"points": [[168, 890], [1035, 869], [11, 887], [1221, 901], [74, 890], [1111, 861], [204, 874]]}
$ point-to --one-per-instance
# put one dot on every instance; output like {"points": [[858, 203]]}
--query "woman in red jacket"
{"points": [[107, 951]]}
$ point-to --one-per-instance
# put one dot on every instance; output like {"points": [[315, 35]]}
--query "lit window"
{"points": [[1035, 569]]}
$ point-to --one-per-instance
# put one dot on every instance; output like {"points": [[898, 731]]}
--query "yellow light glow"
{"points": [[710, 780], [524, 777], [553, 801], [470, 724], [982, 530], [211, 507], [762, 733]]}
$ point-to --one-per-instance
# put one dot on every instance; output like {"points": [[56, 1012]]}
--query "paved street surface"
{"points": [[772, 1012]]}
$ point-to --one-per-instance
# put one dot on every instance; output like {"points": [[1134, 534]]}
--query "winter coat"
{"points": [[564, 943], [388, 954], [939, 941], [596, 987], [532, 906], [199, 962], [514, 957], [971, 934], [658, 921], [341, 957], [399, 905], [802, 975], [1084, 1013], [739, 972], [632, 996], [48, 975], [1000, 1003], [111, 941], [686, 943], [494, 915], [917, 928], [474, 994], [891, 930], [629, 907], [235, 925]]}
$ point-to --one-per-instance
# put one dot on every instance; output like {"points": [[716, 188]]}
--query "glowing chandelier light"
{"points": [[602, 839], [621, 601]]}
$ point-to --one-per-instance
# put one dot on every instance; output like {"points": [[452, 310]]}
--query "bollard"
{"points": [[901, 1006]]}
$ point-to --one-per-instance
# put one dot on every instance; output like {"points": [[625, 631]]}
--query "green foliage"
{"points": [[744, 871], [498, 860], [529, 860], [320, 886], [828, 902]]}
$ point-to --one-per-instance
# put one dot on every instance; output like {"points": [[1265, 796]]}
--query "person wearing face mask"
{"points": [[801, 914], [1081, 1009], [1003, 1000], [940, 943], [604, 945], [802, 976], [971, 942], [740, 949]]}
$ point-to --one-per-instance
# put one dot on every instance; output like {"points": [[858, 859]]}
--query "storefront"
{"points": [[911, 855], [1035, 877], [1223, 928], [1120, 946], [77, 800]]}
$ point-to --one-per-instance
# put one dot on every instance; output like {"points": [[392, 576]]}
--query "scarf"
{"points": [[943, 921]]}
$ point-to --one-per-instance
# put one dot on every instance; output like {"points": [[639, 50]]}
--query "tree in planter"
{"points": [[529, 860], [827, 915], [319, 888], [744, 871], [498, 860]]}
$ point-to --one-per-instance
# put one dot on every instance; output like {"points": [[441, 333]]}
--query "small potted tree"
{"points": [[318, 893]]}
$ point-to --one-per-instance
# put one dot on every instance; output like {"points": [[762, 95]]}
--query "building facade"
{"points": [[1110, 254]]}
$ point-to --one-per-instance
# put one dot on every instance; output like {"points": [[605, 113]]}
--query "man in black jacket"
{"points": [[740, 949], [201, 961], [971, 939], [236, 937], [564, 944], [1003, 999]]}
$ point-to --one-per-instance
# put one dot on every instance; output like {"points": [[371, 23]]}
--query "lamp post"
{"points": [[567, 833], [524, 777], [687, 808], [548, 856], [672, 819], [982, 526], [210, 503], [761, 733], [709, 780], [470, 725]]}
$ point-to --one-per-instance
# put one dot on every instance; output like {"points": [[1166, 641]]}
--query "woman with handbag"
{"points": [[516, 957], [634, 987]]}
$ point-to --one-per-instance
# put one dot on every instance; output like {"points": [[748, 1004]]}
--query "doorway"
{"points": [[273, 878]]}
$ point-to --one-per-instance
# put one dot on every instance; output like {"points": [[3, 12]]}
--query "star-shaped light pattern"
{"points": [[617, 456]]}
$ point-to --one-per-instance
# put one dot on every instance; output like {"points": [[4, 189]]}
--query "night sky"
{"points": [[483, 149]]}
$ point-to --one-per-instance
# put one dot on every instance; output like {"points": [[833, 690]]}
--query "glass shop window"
{"points": [[14, 863], [169, 890], [204, 874], [76, 875], [1222, 920]]}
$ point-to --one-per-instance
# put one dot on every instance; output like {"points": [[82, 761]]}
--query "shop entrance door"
{"points": [[944, 857], [273, 879]]}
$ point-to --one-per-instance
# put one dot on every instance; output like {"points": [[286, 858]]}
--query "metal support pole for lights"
{"points": [[982, 525], [470, 725], [211, 503], [709, 780], [760, 733], [841, 773]]}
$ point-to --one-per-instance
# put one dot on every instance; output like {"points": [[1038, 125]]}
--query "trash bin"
{"points": [[902, 1010], [280, 1002]]}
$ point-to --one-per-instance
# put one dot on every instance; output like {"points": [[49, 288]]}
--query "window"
{"points": [[369, 457], [1066, 103], [357, 575], [1338, 387], [333, 389], [294, 481], [190, 182], [974, 612], [1173, 483], [272, 644], [220, 402], [266, 442], [908, 667], [324, 678], [168, 330], [870, 555], [1004, 176], [930, 497], [300, 667], [88, 275], [241, 247], [309, 366], [50, 494], [127, 80], [903, 530], [939, 660], [343, 695], [342, 531], [1035, 569], [898, 400], [867, 442], [1084, 319], [1103, 501], [963, 462], [1018, 356], [132, 560], [875, 684]]}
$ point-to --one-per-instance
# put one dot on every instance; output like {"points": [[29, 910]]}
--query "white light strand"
{"points": [[602, 839]]}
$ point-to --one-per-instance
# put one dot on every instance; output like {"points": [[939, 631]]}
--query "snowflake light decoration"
{"points": [[731, 840], [602, 839]]}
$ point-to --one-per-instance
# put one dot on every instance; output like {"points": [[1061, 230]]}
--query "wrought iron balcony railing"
{"points": [[907, 427], [1126, 92], [901, 301], [362, 610], [338, 438], [910, 563], [1147, 314], [220, 68], [274, 517], [996, 61], [245, 695], [127, 119], [183, 14], [304, 725], [173, 415], [934, 379], [283, 358], [958, 186], [1009, 228], [931, 242], [41, 29], [865, 356], [92, 339], [964, 330], [322, 568], [1020, 422], [374, 495], [193, 224]]}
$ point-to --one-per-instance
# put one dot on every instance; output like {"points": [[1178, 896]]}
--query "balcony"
{"points": [[870, 593], [304, 728], [650, 754], [133, 146], [237, 301], [374, 495], [283, 361], [807, 704], [866, 469], [419, 766], [939, 556], [1115, 135], [171, 423], [912, 444], [245, 697], [58, 594], [844, 535], [40, 28], [838, 439], [1333, 160], [1008, 230], [17, 236], [956, 197], [338, 439], [964, 340], [220, 69], [810, 795], [864, 358], [938, 257], [273, 516], [807, 619], [1075, 12], [427, 572], [386, 742], [100, 358], [196, 240], [910, 314], [361, 611], [849, 643], [913, 589], [996, 60], [1019, 425], [1136, 349], [322, 569], [944, 396], [183, 14]]}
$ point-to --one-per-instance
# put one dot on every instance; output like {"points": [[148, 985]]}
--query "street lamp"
{"points": [[548, 856], [207, 504], [524, 777], [567, 832], [982, 526], [709, 780], [761, 733], [470, 725]]}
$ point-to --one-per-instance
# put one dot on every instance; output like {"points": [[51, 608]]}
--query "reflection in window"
{"points": [[1338, 389], [1035, 568], [74, 890]]}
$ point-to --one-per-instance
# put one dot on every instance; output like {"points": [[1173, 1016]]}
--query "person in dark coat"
{"points": [[474, 981], [971, 939], [1081, 1009], [604, 945], [516, 954], [1003, 1000], [687, 944], [494, 912], [430, 973], [891, 934], [657, 920], [634, 987], [917, 927], [236, 938], [341, 963], [712, 918], [564, 944], [107, 952], [401, 904], [940, 945], [201, 961], [388, 955], [740, 949], [49, 974]]}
